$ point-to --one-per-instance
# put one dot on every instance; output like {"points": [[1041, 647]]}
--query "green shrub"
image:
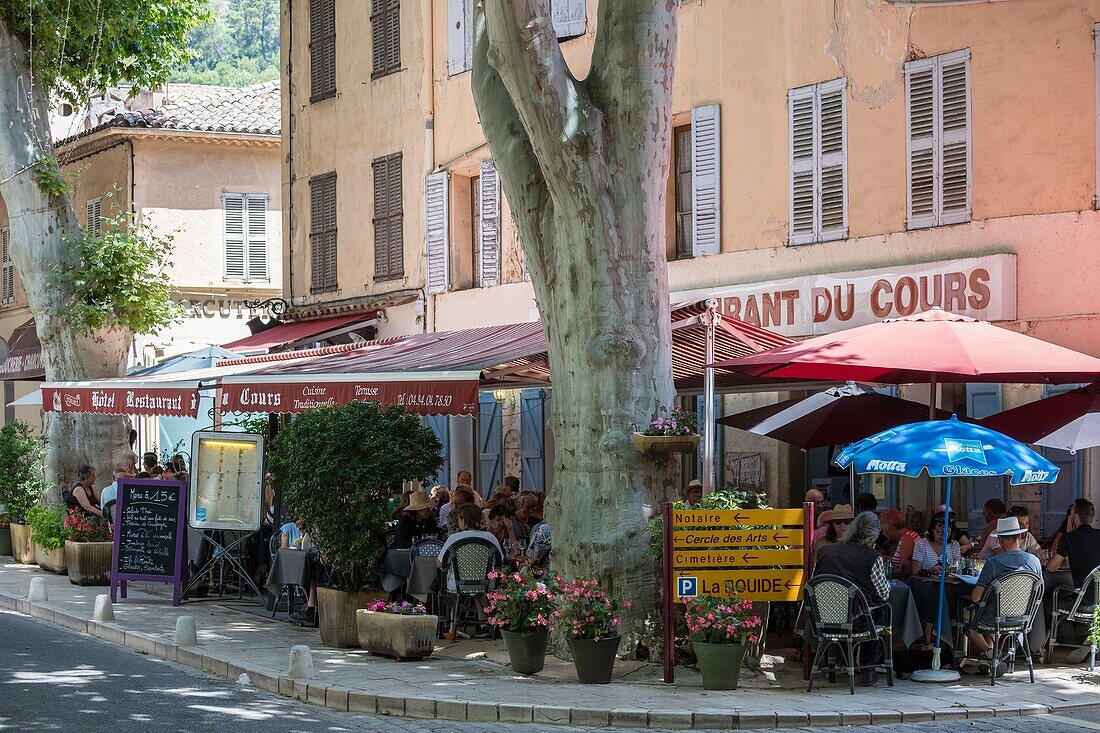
{"points": [[727, 497], [47, 525], [337, 467], [21, 475]]}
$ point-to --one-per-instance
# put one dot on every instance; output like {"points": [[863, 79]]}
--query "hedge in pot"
{"points": [[47, 525], [88, 548], [337, 467], [400, 629], [721, 630], [522, 607], [22, 482], [590, 621]]}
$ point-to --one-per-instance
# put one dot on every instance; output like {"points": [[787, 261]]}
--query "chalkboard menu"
{"points": [[149, 529]]}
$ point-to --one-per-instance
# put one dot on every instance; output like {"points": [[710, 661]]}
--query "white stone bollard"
{"points": [[244, 679], [301, 662], [38, 591], [103, 611], [186, 634]]}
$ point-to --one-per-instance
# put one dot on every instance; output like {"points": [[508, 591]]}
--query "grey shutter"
{"points": [[378, 37], [233, 227], [982, 400], [832, 154], [532, 435], [329, 189], [257, 237], [920, 119], [8, 290], [489, 262], [800, 111], [396, 220], [93, 210], [437, 236], [381, 224], [322, 49], [460, 35], [954, 119], [706, 180], [490, 443], [568, 17]]}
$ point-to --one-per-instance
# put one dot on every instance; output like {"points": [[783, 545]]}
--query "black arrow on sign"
{"points": [[779, 537], [746, 557], [790, 585], [739, 517]]}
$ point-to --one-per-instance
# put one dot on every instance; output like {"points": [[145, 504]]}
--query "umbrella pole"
{"points": [[936, 674], [711, 318]]}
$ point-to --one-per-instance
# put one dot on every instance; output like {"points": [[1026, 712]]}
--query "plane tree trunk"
{"points": [[584, 166], [44, 236]]}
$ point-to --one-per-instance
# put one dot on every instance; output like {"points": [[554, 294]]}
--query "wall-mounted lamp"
{"points": [[500, 395]]}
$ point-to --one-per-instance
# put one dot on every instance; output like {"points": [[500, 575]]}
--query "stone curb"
{"points": [[338, 698]]}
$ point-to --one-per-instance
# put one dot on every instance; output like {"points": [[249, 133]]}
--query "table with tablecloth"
{"points": [[906, 622], [291, 567], [926, 595], [418, 576]]}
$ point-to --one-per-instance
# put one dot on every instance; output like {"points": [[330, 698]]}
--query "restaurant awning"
{"points": [[299, 333], [24, 355]]}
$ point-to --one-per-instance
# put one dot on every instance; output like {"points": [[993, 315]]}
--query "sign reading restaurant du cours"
{"points": [[810, 305]]}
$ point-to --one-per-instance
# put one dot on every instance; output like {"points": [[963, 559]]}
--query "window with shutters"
{"points": [[938, 165], [682, 172], [818, 162], [389, 243], [322, 49], [7, 291], [568, 17], [93, 216], [487, 220], [475, 226], [706, 180], [385, 21], [460, 36], [244, 217], [322, 233], [437, 240]]}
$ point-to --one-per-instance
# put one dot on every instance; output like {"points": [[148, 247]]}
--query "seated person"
{"points": [[693, 493], [904, 540], [502, 516], [83, 495], [528, 513], [293, 534], [462, 494], [866, 502], [837, 523], [1081, 547], [1028, 543], [109, 494], [928, 550], [854, 557], [539, 546], [415, 521]]}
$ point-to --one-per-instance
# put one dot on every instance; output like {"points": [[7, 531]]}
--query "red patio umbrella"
{"points": [[1069, 421]]}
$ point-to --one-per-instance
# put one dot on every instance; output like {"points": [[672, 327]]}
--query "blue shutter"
{"points": [[532, 432], [718, 433], [982, 400], [490, 440], [441, 426]]}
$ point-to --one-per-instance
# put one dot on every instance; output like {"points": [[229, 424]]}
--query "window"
{"points": [[245, 228], [682, 142], [93, 220], [937, 112], [7, 291], [487, 226], [322, 232], [385, 21], [568, 17], [818, 163], [706, 180], [437, 245], [460, 36], [322, 49], [389, 245]]}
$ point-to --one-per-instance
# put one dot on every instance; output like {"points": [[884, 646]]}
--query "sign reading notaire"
{"points": [[809, 305]]}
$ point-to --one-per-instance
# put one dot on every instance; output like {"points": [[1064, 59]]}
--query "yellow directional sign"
{"points": [[753, 585], [688, 518], [734, 558], [706, 539]]}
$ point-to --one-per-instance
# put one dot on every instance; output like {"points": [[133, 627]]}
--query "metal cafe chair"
{"points": [[841, 618], [429, 547], [1074, 610], [1006, 612], [470, 561]]}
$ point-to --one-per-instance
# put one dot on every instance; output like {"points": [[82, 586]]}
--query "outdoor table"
{"points": [[290, 567], [926, 593], [419, 578]]}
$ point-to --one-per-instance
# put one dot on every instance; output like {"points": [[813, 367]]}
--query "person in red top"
{"points": [[896, 531]]}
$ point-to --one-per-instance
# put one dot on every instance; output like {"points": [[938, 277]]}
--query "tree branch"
{"points": [[632, 59]]}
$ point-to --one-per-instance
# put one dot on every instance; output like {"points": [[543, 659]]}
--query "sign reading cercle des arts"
{"points": [[442, 397], [810, 305]]}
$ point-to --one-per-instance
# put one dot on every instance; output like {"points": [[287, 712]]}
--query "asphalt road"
{"points": [[56, 680]]}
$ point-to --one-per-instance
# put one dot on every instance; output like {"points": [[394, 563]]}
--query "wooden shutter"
{"points": [[832, 156], [490, 443], [396, 218], [706, 180], [437, 242], [937, 104], [322, 49], [441, 426], [460, 36], [233, 205], [323, 255], [954, 119], [800, 111], [93, 221], [568, 17], [381, 225], [920, 117], [489, 230], [532, 433], [385, 37], [257, 237], [393, 36], [8, 287]]}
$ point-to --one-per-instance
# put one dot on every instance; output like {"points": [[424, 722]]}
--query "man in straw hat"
{"points": [[1012, 559], [415, 521]]}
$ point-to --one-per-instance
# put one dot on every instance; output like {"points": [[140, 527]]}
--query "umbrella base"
{"points": [[936, 675]]}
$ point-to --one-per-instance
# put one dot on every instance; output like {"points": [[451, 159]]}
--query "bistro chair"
{"points": [[1005, 612], [469, 562], [1074, 609], [431, 548], [290, 590], [842, 619]]}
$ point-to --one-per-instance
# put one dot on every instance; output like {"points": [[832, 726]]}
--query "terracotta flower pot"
{"points": [[52, 560], [336, 615], [21, 546], [89, 562], [394, 635], [657, 444]]}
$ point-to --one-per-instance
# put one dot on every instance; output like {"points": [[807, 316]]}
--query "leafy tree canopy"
{"points": [[82, 46], [238, 47]]}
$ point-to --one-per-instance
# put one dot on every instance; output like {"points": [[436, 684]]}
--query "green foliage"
{"points": [[49, 178], [727, 497], [240, 46], [22, 481], [119, 279], [82, 46], [47, 525], [337, 467], [1094, 629]]}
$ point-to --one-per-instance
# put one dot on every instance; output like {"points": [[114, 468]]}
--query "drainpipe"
{"points": [[428, 90], [710, 320]]}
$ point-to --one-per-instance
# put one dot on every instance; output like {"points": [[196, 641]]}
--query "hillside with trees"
{"points": [[239, 47]]}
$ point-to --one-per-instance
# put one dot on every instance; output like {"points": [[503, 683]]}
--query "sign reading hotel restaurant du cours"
{"points": [[179, 402], [810, 305]]}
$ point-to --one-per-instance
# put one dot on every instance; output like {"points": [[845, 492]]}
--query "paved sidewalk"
{"points": [[461, 683]]}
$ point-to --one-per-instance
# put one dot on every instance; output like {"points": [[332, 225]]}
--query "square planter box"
{"points": [[394, 635], [663, 444], [336, 615], [52, 560], [21, 546], [89, 563]]}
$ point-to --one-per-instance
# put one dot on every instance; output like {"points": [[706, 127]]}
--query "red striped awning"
{"points": [[118, 397]]}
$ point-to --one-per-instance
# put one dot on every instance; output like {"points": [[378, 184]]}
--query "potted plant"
{"points": [[400, 629], [48, 534], [590, 621], [22, 483], [522, 606], [672, 434], [337, 466], [88, 548], [721, 630]]}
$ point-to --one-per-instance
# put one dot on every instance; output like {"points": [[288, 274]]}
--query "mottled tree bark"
{"points": [[44, 231], [584, 165]]}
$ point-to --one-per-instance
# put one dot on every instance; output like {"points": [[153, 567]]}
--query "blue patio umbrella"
{"points": [[946, 449]]}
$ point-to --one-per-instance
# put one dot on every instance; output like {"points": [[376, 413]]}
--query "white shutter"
{"points": [[706, 180], [800, 111], [93, 210], [7, 291], [437, 239], [233, 228], [920, 119], [954, 118], [460, 36], [256, 249], [489, 262], [832, 155], [568, 17]]}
